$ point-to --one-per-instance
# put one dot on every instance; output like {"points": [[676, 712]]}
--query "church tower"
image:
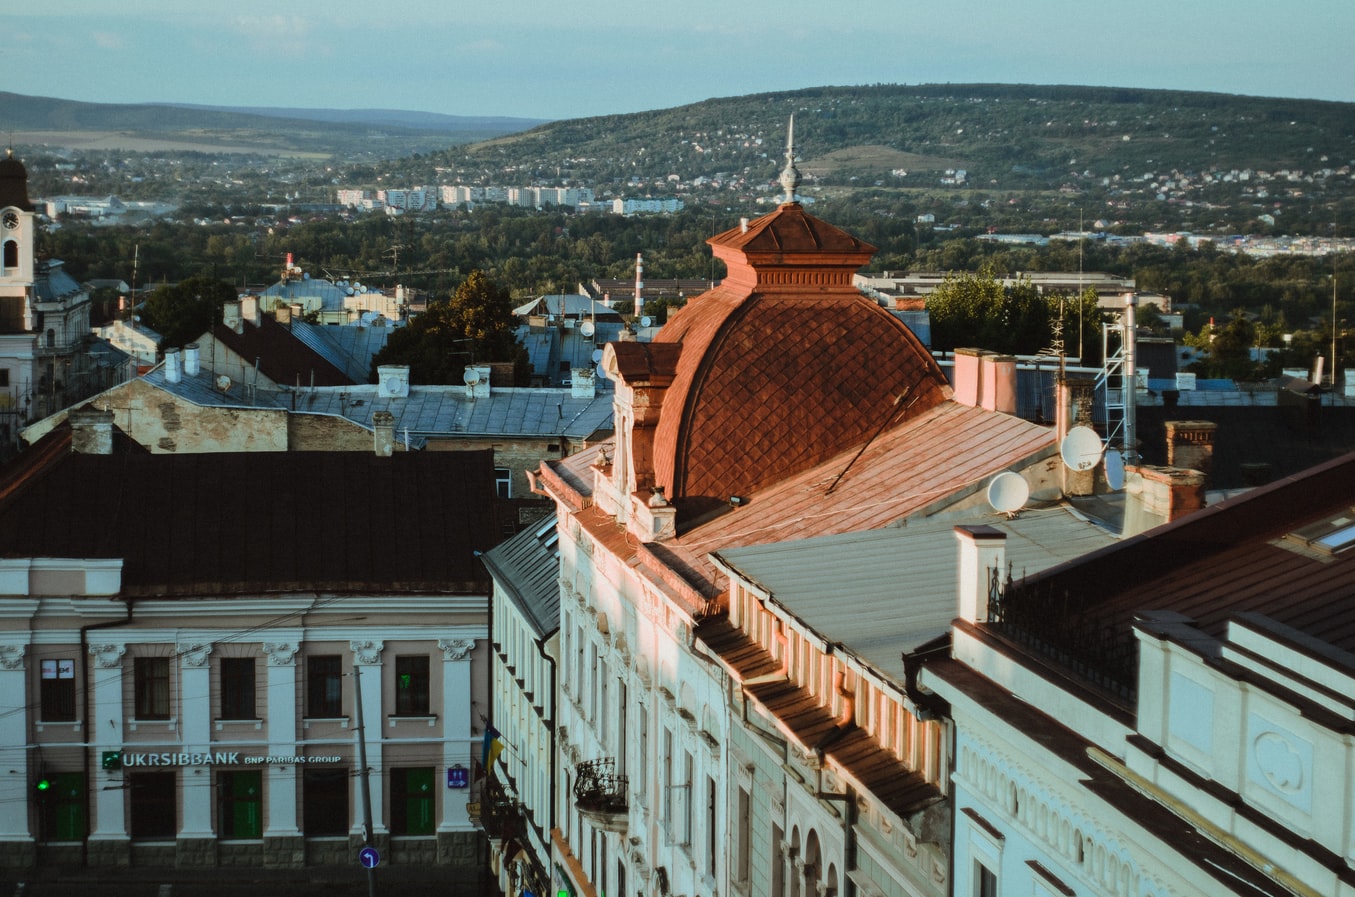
{"points": [[18, 230]]}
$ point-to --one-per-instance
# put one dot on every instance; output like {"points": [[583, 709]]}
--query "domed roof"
{"points": [[784, 365], [14, 183]]}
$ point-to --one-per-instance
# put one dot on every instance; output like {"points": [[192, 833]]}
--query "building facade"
{"points": [[197, 681]]}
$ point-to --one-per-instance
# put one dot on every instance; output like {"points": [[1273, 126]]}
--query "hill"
{"points": [[147, 127]]}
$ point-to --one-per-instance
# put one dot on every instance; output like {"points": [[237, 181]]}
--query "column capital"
{"points": [[367, 651], [11, 657], [108, 657], [456, 648], [281, 654], [194, 655]]}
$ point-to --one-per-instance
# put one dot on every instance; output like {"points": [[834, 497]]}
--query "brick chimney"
{"points": [[969, 376], [383, 433], [1157, 495], [1190, 445], [997, 383], [91, 432]]}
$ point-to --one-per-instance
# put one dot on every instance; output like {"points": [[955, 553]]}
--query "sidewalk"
{"points": [[320, 881]]}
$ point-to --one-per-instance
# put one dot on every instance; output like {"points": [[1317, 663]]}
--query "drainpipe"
{"points": [[86, 685]]}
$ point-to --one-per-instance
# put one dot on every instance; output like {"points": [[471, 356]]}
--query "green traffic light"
{"points": [[44, 784]]}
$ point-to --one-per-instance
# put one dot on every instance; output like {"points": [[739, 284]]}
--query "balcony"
{"points": [[600, 794]]}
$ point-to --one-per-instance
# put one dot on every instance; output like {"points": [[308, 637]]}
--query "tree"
{"points": [[476, 325], [184, 311]]}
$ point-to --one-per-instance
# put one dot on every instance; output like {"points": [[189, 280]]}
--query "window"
{"points": [[667, 796], [712, 836], [58, 690], [62, 808], [11, 254], [742, 848], [154, 802], [4, 376], [240, 804], [412, 799], [985, 881], [324, 799], [689, 797], [151, 683], [411, 685], [324, 686], [237, 688], [503, 482]]}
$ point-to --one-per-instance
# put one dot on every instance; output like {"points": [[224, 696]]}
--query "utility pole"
{"points": [[365, 790]]}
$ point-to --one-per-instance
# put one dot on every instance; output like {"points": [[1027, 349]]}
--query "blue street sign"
{"points": [[368, 857]]}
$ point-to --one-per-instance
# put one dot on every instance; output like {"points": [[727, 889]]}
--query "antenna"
{"points": [[1007, 493], [1081, 448]]}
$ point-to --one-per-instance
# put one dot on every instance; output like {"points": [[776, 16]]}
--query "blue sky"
{"points": [[574, 58]]}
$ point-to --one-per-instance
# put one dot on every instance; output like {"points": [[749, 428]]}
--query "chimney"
{"points": [[639, 284], [230, 316], [172, 365], [91, 432], [249, 309], [983, 551], [997, 383], [1190, 445], [190, 360], [283, 314], [969, 376], [1158, 495], [383, 430], [583, 383]]}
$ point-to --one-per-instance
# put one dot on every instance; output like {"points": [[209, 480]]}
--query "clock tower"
{"points": [[17, 233]]}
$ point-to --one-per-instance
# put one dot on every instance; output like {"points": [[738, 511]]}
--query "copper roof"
{"points": [[784, 365], [206, 524]]}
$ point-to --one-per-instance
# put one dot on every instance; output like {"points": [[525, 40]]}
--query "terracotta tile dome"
{"points": [[784, 365]]}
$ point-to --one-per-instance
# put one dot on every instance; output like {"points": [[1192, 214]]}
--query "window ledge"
{"points": [[170, 724], [307, 722], [394, 719], [256, 724], [73, 725]]}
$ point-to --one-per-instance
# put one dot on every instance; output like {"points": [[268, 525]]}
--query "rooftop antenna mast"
{"points": [[790, 175]]}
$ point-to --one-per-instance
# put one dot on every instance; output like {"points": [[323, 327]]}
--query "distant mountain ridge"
{"points": [[356, 132]]}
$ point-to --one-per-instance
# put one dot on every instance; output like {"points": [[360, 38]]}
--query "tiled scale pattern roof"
{"points": [[784, 365]]}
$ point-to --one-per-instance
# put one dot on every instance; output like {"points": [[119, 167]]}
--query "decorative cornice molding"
{"points": [[194, 655]]}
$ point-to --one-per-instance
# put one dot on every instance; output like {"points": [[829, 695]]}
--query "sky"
{"points": [[558, 59]]}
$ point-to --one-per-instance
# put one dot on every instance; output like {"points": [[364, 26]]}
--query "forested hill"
{"points": [[1002, 136]]}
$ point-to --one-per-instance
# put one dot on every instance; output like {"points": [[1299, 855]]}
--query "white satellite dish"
{"points": [[646, 321], [1008, 492], [1081, 448], [597, 356], [470, 377], [586, 328], [1114, 470]]}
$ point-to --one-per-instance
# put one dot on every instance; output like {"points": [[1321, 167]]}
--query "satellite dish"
{"points": [[586, 328], [646, 321], [597, 356], [1008, 492], [470, 377], [1115, 470], [1081, 448]]}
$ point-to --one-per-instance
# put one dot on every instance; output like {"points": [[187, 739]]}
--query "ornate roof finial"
{"points": [[790, 175]]}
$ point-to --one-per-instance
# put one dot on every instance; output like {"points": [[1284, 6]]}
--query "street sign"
{"points": [[369, 857]]}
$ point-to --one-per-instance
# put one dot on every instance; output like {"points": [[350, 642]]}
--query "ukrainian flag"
{"points": [[493, 746]]}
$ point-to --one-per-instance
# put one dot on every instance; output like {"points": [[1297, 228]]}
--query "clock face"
{"points": [[10, 220]]}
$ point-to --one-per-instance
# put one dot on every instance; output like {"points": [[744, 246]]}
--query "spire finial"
{"points": [[790, 175]]}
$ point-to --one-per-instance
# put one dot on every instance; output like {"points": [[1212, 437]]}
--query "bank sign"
{"points": [[219, 758]]}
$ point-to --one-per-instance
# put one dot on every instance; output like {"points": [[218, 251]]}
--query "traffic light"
{"points": [[43, 784]]}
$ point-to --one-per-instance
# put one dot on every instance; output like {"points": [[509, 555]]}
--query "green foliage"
{"points": [[475, 326], [184, 311]]}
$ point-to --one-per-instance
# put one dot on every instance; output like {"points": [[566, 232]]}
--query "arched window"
{"points": [[11, 254]]}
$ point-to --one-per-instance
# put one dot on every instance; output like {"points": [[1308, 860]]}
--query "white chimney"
{"points": [[983, 552], [190, 360], [249, 309], [392, 381], [172, 365], [230, 316]]}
